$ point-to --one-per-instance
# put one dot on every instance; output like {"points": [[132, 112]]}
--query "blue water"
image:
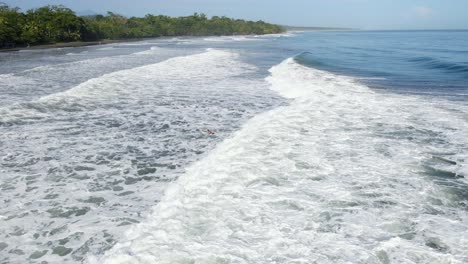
{"points": [[434, 62], [304, 147], [421, 62]]}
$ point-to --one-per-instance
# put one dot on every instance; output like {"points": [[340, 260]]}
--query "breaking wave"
{"points": [[340, 175], [78, 166]]}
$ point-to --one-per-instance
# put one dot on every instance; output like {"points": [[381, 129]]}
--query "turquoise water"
{"points": [[304, 147]]}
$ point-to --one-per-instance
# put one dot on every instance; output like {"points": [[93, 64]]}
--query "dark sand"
{"points": [[70, 44]]}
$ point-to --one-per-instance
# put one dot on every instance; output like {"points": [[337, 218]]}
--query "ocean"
{"points": [[303, 147]]}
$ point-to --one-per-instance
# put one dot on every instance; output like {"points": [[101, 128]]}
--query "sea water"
{"points": [[305, 147]]}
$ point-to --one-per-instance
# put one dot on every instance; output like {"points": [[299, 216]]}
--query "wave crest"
{"points": [[433, 63]]}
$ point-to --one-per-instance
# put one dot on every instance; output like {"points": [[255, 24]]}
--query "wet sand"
{"points": [[70, 44]]}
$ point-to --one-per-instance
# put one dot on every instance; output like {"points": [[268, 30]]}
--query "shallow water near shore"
{"points": [[306, 147]]}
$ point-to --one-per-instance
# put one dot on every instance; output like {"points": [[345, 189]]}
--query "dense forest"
{"points": [[52, 24]]}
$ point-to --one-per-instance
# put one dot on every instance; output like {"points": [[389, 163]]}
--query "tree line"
{"points": [[57, 23]]}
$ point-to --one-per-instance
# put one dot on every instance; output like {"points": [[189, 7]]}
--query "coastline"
{"points": [[102, 42], [72, 44]]}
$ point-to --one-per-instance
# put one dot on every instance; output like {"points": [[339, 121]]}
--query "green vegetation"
{"points": [[52, 24]]}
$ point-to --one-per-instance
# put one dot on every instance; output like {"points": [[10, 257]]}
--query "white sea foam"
{"points": [[231, 38], [131, 44], [340, 175], [82, 164], [30, 84], [279, 35], [153, 50], [77, 53], [104, 87], [109, 47]]}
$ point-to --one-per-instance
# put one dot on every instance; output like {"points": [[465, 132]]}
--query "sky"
{"points": [[358, 14]]}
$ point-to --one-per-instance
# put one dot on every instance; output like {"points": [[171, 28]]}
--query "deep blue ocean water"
{"points": [[303, 147], [433, 62]]}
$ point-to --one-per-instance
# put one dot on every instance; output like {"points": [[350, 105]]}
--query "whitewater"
{"points": [[219, 152], [327, 179]]}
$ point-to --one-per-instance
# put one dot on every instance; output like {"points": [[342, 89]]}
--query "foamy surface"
{"points": [[226, 150], [340, 175], [80, 165]]}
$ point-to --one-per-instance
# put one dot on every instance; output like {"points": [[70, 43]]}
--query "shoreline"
{"points": [[101, 42], [72, 44]]}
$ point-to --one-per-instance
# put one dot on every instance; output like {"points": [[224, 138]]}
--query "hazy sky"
{"points": [[363, 14]]}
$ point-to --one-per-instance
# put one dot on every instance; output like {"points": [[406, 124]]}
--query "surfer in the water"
{"points": [[210, 132]]}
